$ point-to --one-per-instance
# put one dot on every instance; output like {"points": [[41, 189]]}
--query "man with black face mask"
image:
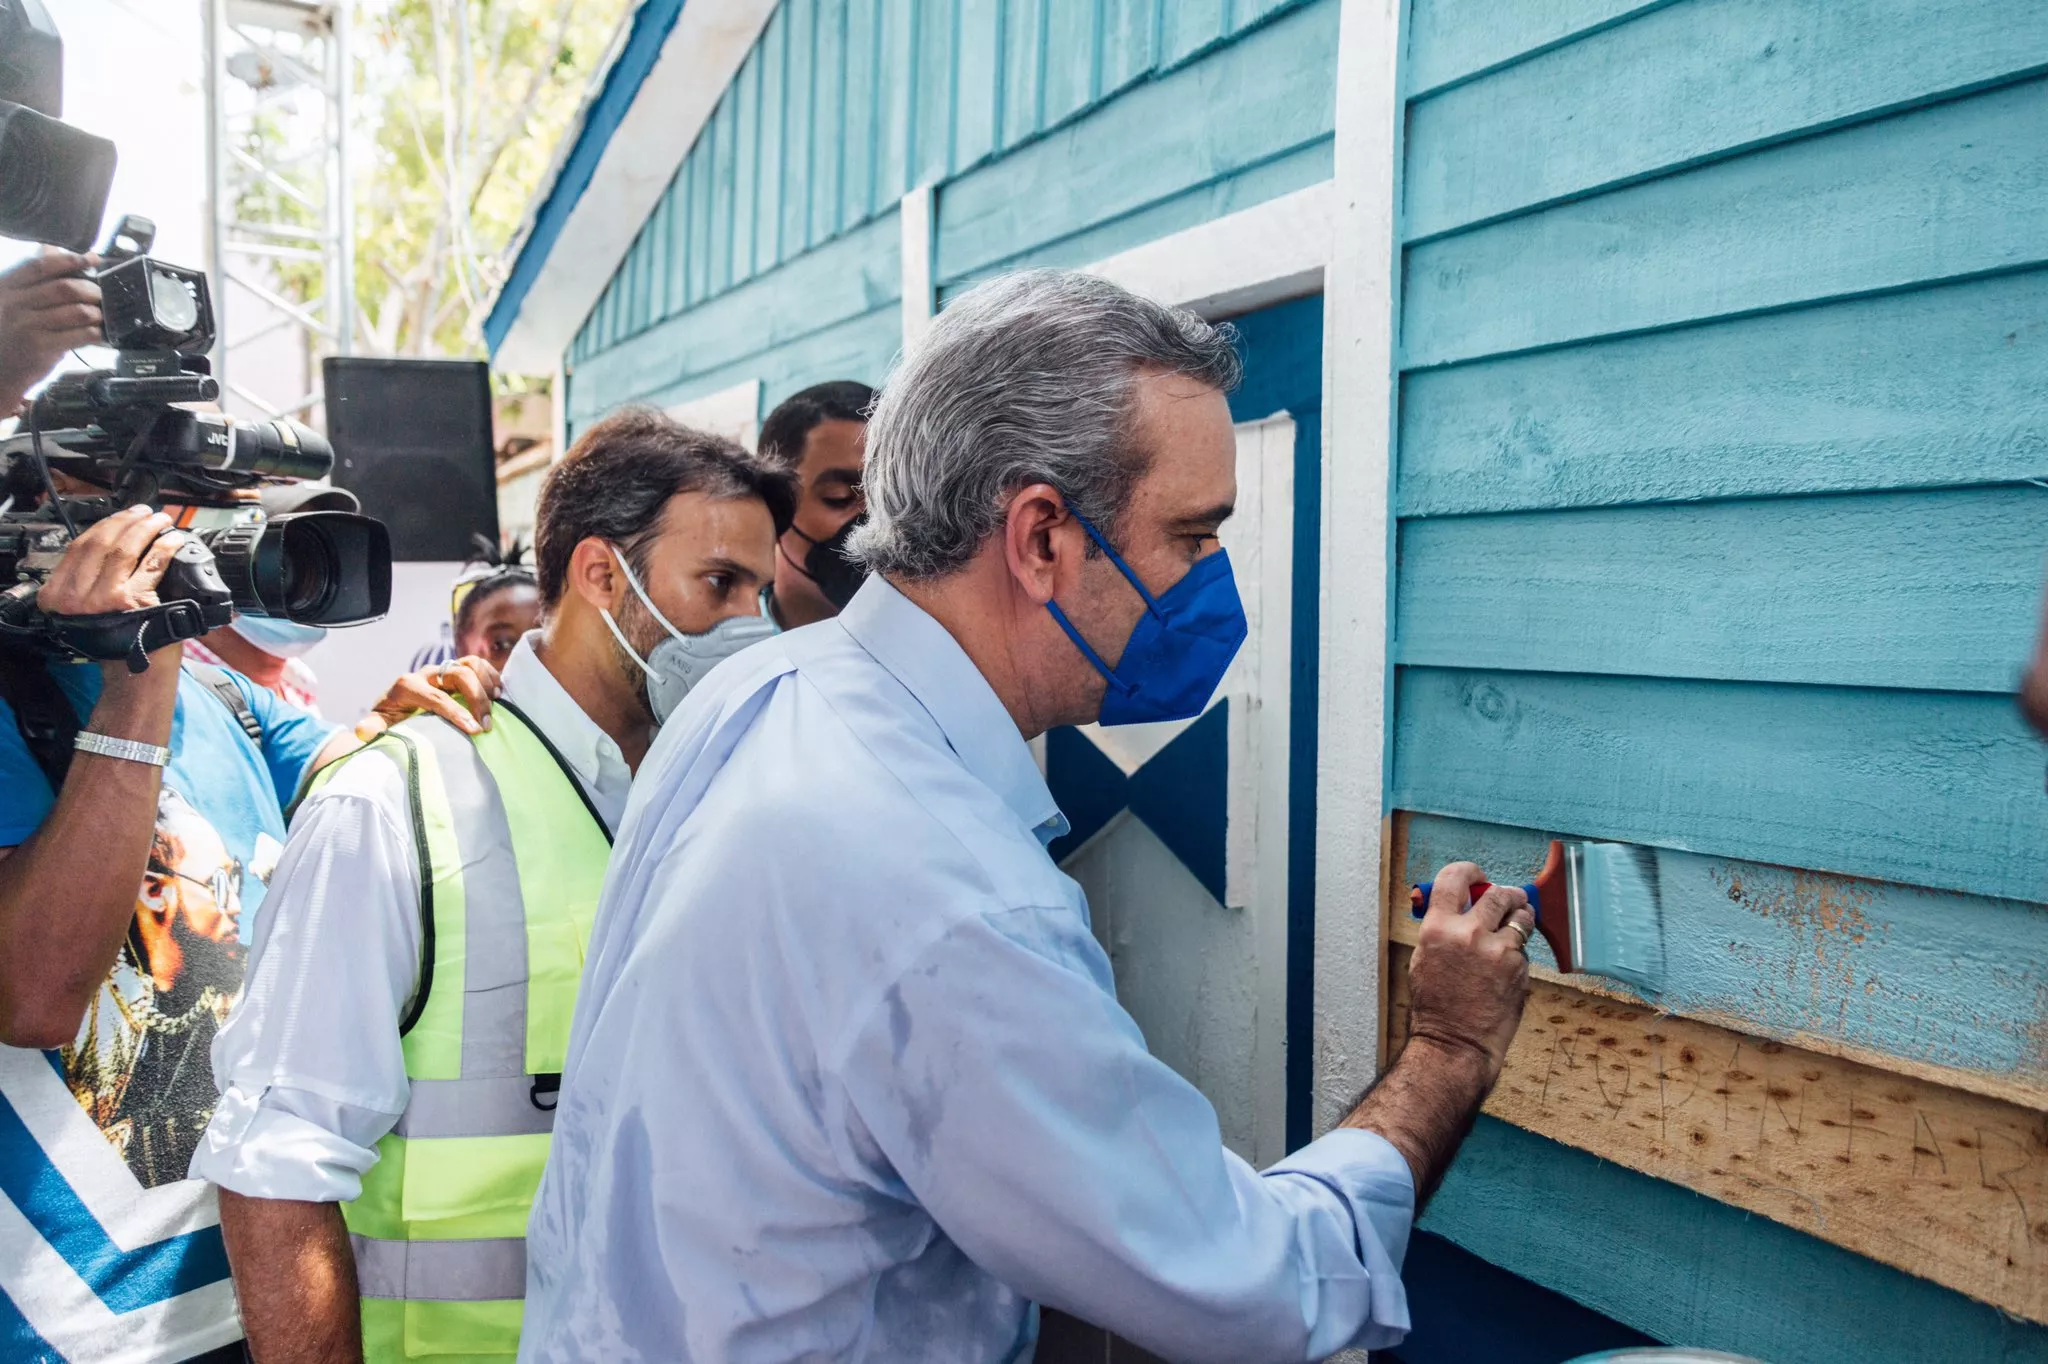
{"points": [[820, 436]]}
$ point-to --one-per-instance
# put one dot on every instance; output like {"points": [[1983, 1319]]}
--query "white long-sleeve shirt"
{"points": [[849, 1080], [309, 1064]]}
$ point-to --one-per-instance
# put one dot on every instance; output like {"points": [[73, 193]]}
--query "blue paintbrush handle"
{"points": [[1418, 898]]}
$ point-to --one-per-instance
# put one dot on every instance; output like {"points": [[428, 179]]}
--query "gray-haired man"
{"points": [[872, 1101]]}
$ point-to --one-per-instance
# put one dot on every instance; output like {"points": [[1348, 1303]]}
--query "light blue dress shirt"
{"points": [[849, 1081]]}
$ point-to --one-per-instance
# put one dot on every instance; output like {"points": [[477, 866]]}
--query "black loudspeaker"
{"points": [[412, 440]]}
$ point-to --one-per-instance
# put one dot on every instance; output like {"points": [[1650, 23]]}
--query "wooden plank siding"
{"points": [[1918, 1175], [1723, 346], [1057, 131], [1256, 124]]}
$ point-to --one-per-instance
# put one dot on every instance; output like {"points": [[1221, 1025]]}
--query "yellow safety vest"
{"points": [[512, 859]]}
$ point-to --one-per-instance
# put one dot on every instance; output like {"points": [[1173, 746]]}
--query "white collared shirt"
{"points": [[849, 1080], [309, 1064]]}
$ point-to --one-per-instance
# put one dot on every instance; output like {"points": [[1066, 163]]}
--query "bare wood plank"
{"points": [[1404, 931], [1947, 987], [1393, 872], [1946, 1185]]}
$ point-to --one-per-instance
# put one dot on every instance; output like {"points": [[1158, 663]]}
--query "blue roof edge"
{"points": [[651, 25]]}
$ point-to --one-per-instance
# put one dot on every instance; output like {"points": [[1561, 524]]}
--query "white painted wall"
{"points": [[356, 665], [734, 412], [915, 222]]}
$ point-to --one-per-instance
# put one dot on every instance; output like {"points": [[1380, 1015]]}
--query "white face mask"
{"points": [[681, 661], [278, 638]]}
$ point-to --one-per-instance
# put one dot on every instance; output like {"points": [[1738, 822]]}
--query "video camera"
{"points": [[128, 430]]}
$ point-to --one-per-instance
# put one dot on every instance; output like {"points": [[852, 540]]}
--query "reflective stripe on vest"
{"points": [[511, 863], [441, 1271]]}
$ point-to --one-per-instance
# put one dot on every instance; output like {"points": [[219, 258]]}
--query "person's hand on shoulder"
{"points": [[460, 693], [47, 307]]}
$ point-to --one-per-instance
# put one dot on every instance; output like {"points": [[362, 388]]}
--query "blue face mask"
{"points": [[279, 638], [1179, 649]]}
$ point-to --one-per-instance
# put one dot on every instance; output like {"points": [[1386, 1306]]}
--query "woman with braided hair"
{"points": [[495, 609], [494, 602]]}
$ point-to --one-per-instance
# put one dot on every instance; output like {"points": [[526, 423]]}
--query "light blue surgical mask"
{"points": [[681, 661], [279, 638], [1179, 649]]}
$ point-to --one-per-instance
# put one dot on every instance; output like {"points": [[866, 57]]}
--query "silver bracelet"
{"points": [[107, 746]]}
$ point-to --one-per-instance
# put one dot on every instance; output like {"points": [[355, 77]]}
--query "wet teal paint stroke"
{"points": [[1952, 980]]}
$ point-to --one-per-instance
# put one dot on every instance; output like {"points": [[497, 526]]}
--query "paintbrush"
{"points": [[1598, 906]]}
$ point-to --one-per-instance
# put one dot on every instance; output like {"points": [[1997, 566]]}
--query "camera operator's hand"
{"points": [[47, 307], [90, 851], [113, 566]]}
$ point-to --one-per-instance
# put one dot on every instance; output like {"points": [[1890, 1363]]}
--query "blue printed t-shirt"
{"points": [[108, 1253]]}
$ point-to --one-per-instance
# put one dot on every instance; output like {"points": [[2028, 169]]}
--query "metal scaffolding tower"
{"points": [[280, 236]]}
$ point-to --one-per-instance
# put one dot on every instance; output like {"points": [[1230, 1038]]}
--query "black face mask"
{"points": [[837, 576]]}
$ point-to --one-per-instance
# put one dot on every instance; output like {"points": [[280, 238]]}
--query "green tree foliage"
{"points": [[461, 107]]}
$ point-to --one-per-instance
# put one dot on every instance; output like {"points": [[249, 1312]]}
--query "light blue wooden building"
{"points": [[1645, 437]]}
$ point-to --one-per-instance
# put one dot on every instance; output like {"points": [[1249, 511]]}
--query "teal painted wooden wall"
{"points": [[1055, 132], [1723, 358]]}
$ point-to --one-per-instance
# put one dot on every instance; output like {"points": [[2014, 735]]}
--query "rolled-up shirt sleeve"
{"points": [[310, 1063], [1004, 1087]]}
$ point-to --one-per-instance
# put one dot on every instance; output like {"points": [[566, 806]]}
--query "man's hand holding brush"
{"points": [[1469, 977]]}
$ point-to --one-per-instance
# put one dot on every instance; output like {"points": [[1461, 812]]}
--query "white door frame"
{"points": [[1360, 296], [1264, 254]]}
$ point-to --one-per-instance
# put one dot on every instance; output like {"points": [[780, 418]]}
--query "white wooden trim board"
{"points": [[702, 54], [1358, 432]]}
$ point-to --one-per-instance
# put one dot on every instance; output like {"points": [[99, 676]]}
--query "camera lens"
{"points": [[176, 309], [280, 449], [317, 568]]}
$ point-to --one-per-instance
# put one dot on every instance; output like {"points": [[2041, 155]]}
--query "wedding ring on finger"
{"points": [[1521, 934]]}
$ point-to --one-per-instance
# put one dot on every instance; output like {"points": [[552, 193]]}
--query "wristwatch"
{"points": [[132, 750]]}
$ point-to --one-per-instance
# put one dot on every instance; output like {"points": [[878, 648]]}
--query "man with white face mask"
{"points": [[389, 1081]]}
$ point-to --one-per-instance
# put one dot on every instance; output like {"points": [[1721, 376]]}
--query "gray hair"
{"points": [[1028, 378]]}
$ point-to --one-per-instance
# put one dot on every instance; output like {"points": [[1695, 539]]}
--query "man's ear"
{"points": [[594, 575], [1038, 534]]}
